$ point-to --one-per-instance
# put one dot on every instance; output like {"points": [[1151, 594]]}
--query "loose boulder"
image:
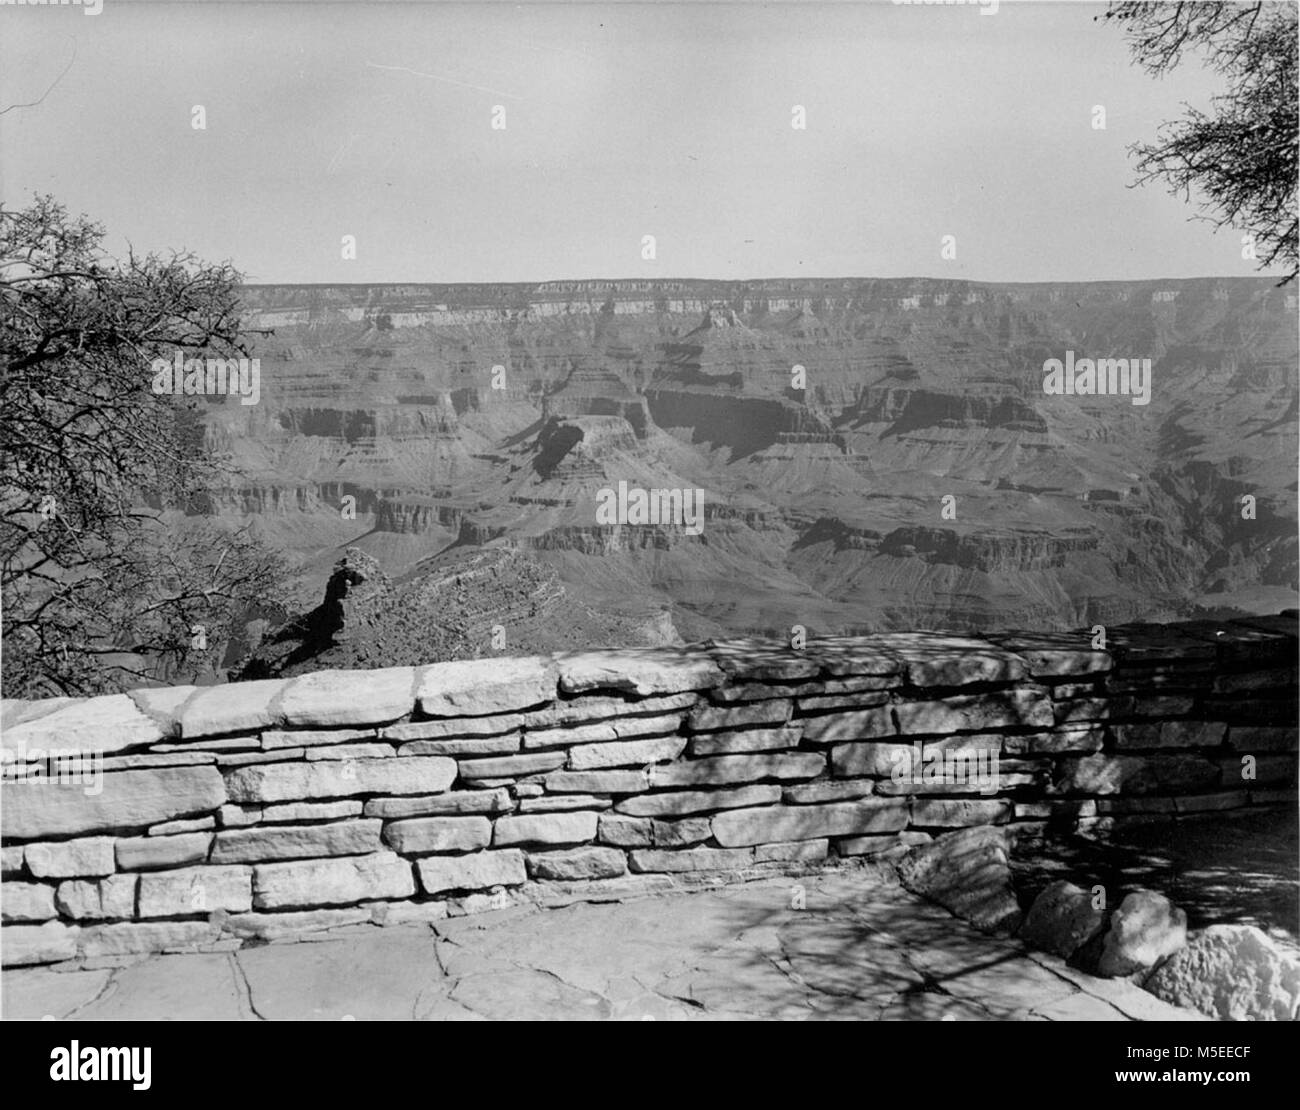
{"points": [[967, 873], [1062, 920], [1231, 972], [1146, 929]]}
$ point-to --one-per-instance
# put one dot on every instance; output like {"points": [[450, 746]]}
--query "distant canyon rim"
{"points": [[474, 426]]}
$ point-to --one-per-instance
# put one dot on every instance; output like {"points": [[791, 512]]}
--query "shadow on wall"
{"points": [[1236, 869]]}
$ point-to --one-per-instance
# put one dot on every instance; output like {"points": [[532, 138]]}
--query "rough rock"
{"points": [[352, 751], [640, 671], [811, 793], [625, 832], [284, 782], [1233, 973], [546, 828], [348, 697], [849, 760], [867, 724], [626, 753], [130, 938], [1145, 929], [466, 746], [1170, 734], [27, 902], [598, 782], [705, 718], [460, 728], [113, 898], [562, 803], [960, 812], [476, 872], [955, 661], [106, 724], [727, 770], [458, 801], [741, 827], [275, 740], [195, 890], [344, 838], [510, 765], [331, 882], [675, 834], [480, 687], [277, 926], [292, 812], [145, 853], [438, 834], [603, 731], [697, 801], [578, 863], [129, 799], [748, 740], [1062, 919], [23, 945], [975, 712], [693, 859], [70, 859], [234, 707], [968, 873]]}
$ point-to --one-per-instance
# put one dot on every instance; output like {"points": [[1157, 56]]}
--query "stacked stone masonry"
{"points": [[267, 809]]}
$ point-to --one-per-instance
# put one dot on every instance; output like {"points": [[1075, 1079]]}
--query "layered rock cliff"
{"points": [[816, 416]]}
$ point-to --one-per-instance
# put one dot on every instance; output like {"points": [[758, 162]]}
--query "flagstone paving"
{"points": [[839, 945]]}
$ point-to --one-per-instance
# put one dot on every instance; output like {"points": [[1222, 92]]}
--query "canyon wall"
{"points": [[830, 419], [222, 815]]}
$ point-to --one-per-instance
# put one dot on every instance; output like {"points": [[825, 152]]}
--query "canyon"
{"points": [[482, 421]]}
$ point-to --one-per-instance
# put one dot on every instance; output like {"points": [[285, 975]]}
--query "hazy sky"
{"points": [[622, 120]]}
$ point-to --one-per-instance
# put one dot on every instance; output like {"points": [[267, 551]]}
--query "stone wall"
{"points": [[264, 809]]}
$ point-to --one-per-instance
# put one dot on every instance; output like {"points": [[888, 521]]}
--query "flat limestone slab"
{"points": [[676, 955], [483, 687], [129, 799], [197, 987], [32, 994], [104, 724], [379, 975]]}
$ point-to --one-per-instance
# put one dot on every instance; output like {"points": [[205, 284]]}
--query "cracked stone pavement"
{"points": [[861, 948]]}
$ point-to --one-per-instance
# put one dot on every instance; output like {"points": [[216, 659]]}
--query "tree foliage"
{"points": [[1241, 157], [106, 563]]}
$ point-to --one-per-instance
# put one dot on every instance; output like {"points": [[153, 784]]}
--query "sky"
{"points": [[622, 120]]}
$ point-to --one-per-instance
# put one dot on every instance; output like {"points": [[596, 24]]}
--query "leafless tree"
{"points": [[1242, 156], [107, 563]]}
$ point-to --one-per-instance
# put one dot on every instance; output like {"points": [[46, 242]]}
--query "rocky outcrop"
{"points": [[455, 606]]}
